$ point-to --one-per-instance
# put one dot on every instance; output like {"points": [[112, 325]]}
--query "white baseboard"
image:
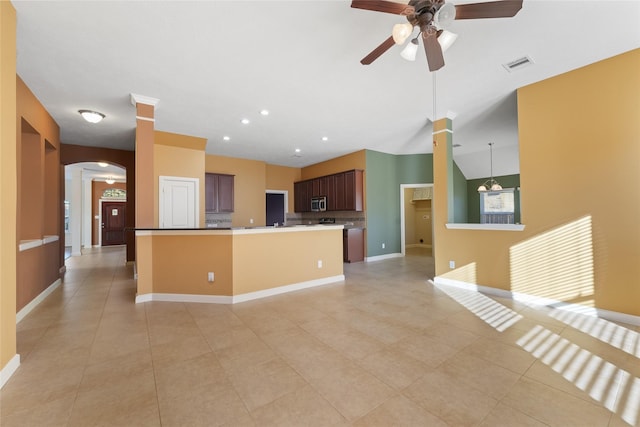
{"points": [[382, 257], [9, 369], [37, 300], [418, 245], [223, 299], [541, 301]]}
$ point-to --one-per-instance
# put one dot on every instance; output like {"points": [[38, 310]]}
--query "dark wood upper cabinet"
{"points": [[344, 192], [218, 193]]}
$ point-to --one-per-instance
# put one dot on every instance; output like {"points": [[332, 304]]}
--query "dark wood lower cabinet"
{"points": [[353, 245]]}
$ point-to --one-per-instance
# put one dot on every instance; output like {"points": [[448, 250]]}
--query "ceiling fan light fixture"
{"points": [[446, 39], [410, 51], [401, 32], [444, 16], [91, 116]]}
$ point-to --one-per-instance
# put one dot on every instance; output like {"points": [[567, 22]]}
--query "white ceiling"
{"points": [[212, 63]]}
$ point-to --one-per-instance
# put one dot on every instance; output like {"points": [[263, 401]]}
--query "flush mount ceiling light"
{"points": [[103, 164], [91, 116], [490, 184], [110, 180]]}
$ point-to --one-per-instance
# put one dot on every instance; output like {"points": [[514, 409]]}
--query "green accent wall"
{"points": [[460, 198], [473, 197], [384, 174]]}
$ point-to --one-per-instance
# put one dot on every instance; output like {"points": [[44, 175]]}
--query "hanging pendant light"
{"points": [[110, 180], [490, 184]]}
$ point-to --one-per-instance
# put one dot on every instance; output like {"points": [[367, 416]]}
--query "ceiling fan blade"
{"points": [[432, 48], [492, 9], [383, 6], [375, 53]]}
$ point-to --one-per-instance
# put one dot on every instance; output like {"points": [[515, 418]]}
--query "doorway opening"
{"points": [[276, 207], [416, 219]]}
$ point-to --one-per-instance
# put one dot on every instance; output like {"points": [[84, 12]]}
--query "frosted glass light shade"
{"points": [[496, 187], [409, 52], [91, 116], [446, 39], [401, 32]]}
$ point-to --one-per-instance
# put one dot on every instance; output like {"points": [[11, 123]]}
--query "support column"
{"points": [[443, 200], [145, 124], [75, 216]]}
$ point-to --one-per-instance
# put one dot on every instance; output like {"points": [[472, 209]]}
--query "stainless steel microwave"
{"points": [[318, 204]]}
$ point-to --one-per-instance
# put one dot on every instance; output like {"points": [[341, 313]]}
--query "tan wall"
{"points": [[409, 218], [282, 178], [423, 222], [242, 263], [179, 156], [181, 264], [249, 187], [97, 189], [579, 156], [357, 160], [263, 261], [8, 183]]}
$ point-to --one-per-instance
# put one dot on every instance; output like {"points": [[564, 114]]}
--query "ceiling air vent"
{"points": [[517, 64]]}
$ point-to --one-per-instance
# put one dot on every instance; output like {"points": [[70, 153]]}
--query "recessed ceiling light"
{"points": [[325, 138], [226, 138], [103, 164], [297, 150], [91, 116], [245, 121], [264, 112]]}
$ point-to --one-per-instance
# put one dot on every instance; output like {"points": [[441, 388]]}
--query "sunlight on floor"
{"points": [[615, 388]]}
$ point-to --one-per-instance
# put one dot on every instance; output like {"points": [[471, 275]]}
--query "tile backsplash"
{"points": [[357, 219]]}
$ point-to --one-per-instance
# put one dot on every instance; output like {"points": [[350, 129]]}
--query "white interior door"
{"points": [[179, 206]]}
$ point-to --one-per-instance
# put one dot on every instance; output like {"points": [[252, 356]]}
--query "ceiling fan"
{"points": [[431, 17]]}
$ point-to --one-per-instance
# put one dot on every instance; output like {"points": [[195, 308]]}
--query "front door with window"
{"points": [[113, 223]]}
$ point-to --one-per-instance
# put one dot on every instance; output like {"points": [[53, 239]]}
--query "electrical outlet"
{"points": [[319, 263], [383, 246], [210, 276], [452, 264]]}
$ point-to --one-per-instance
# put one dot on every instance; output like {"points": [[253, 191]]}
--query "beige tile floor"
{"points": [[386, 348]]}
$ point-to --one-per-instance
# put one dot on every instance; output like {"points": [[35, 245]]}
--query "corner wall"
{"points": [[9, 360], [579, 172]]}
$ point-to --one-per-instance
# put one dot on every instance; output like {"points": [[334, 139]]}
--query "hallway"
{"points": [[385, 348]]}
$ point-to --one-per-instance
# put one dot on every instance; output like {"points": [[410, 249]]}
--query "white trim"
{"points": [[29, 244], [541, 301], [493, 227], [383, 257], [223, 299], [146, 119], [50, 239], [37, 300], [142, 99], [442, 131], [237, 231], [62, 269], [418, 245], [9, 370]]}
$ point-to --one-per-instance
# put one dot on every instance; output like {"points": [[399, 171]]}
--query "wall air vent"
{"points": [[518, 64]]}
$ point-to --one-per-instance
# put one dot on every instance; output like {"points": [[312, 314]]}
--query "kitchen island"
{"points": [[244, 263]]}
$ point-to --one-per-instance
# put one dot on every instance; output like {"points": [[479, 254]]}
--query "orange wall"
{"points": [[357, 160], [179, 156], [249, 187], [579, 156], [8, 183], [39, 193], [282, 178]]}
